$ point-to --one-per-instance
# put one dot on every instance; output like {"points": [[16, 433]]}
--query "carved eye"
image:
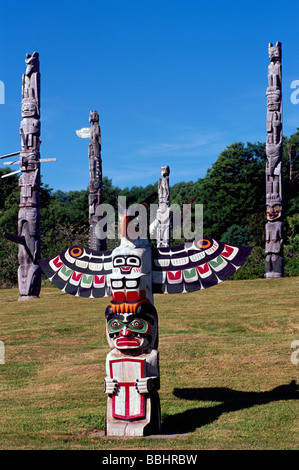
{"points": [[76, 252], [203, 244], [115, 324], [136, 324], [133, 261], [119, 261]]}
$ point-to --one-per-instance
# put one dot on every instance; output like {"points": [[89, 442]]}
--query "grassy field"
{"points": [[227, 380]]}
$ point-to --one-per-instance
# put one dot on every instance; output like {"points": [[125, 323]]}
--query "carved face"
{"points": [[28, 107], [127, 331], [274, 53], [130, 278], [29, 160], [126, 263], [273, 99], [273, 212], [165, 170], [93, 116]]}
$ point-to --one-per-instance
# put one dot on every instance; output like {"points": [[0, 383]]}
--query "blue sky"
{"points": [[175, 82]]}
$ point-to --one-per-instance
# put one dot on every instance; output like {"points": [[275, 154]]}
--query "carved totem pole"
{"points": [[274, 226], [96, 239], [132, 273], [29, 272], [28, 238]]}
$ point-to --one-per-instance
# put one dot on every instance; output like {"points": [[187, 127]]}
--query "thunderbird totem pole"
{"points": [[96, 239], [274, 226], [132, 273], [28, 238]]}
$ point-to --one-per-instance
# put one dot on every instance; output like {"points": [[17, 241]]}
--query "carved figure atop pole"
{"points": [[163, 213], [274, 203], [160, 228]]}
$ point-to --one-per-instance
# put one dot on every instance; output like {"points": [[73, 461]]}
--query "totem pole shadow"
{"points": [[232, 400]]}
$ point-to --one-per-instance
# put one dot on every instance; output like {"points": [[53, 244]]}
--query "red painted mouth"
{"points": [[273, 215], [123, 341], [126, 269]]}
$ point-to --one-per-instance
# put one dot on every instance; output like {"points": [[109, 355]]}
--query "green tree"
{"points": [[232, 191], [237, 235]]}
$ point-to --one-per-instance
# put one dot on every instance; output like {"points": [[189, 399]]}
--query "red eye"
{"points": [[136, 324], [115, 324], [76, 252]]}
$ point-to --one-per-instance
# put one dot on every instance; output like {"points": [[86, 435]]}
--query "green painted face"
{"points": [[130, 331], [137, 325]]}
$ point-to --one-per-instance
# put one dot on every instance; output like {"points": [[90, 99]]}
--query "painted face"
{"points": [[274, 212], [126, 263], [129, 331], [131, 274], [126, 281], [132, 331]]}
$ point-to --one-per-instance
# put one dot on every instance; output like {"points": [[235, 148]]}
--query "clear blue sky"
{"points": [[174, 81]]}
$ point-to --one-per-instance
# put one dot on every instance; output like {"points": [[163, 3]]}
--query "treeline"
{"points": [[232, 194]]}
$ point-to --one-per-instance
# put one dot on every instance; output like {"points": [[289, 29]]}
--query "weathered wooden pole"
{"points": [[28, 238], [274, 202], [97, 238]]}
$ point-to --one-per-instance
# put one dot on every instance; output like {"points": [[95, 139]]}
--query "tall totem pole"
{"points": [[96, 239], [28, 238], [274, 225]]}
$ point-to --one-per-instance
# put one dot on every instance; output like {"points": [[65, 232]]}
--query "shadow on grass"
{"points": [[232, 400]]}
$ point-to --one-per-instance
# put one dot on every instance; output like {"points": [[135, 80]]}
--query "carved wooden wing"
{"points": [[80, 271], [195, 265]]}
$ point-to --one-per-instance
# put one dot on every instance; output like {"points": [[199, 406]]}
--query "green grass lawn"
{"points": [[227, 380]]}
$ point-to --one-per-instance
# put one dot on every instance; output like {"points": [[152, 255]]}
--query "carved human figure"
{"points": [[132, 369], [163, 224], [274, 116], [274, 240]]}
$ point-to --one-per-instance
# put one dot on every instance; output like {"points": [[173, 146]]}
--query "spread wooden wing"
{"points": [[195, 265], [80, 271]]}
